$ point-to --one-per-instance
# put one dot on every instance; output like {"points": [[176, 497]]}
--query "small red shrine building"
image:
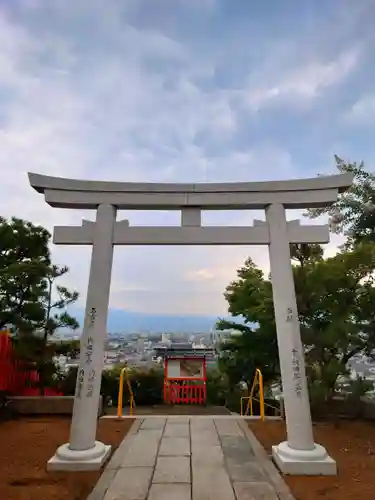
{"points": [[185, 378]]}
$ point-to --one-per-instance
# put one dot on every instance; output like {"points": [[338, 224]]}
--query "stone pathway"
{"points": [[190, 458]]}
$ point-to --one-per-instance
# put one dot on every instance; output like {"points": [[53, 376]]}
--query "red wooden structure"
{"points": [[13, 378], [186, 383]]}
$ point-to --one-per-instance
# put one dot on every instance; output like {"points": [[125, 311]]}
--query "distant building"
{"points": [[65, 363], [219, 336], [165, 338], [186, 349]]}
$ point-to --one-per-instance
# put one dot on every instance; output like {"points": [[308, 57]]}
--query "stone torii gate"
{"points": [[299, 454]]}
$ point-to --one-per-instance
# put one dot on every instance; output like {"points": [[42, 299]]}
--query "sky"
{"points": [[179, 91]]}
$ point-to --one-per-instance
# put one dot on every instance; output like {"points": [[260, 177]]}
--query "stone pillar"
{"points": [[83, 452], [299, 455]]}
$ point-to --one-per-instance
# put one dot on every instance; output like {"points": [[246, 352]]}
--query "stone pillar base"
{"points": [[314, 462], [79, 460]]}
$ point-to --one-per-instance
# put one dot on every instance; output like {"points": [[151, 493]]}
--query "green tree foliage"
{"points": [[24, 260], [354, 212], [335, 299], [243, 353], [249, 297], [32, 304], [56, 315], [37, 348]]}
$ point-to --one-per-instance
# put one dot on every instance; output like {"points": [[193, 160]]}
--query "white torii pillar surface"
{"points": [[299, 454], [83, 452]]}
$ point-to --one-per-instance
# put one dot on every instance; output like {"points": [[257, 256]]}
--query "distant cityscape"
{"points": [[145, 350]]}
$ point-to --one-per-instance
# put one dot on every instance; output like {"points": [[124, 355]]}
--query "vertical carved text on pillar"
{"points": [[92, 316], [289, 314], [89, 348], [90, 386], [80, 380], [296, 373]]}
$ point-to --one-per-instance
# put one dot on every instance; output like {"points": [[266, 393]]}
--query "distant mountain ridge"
{"points": [[120, 320]]}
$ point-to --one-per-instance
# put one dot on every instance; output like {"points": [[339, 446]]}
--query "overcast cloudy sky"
{"points": [[179, 90]]}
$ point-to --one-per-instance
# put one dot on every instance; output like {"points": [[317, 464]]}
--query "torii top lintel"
{"points": [[82, 194]]}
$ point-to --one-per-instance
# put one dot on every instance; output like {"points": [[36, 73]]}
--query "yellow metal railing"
{"points": [[121, 393], [258, 381]]}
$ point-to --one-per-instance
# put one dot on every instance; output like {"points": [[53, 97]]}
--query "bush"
{"points": [[147, 386], [216, 388], [67, 382]]}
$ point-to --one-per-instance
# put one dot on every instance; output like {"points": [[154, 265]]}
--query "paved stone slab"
{"points": [[240, 459], [202, 423], [172, 470], [206, 425], [174, 446], [209, 427], [170, 492], [204, 436], [211, 484], [102, 485], [207, 456], [176, 430], [206, 440], [130, 484], [118, 456], [247, 471], [142, 450], [207, 459], [180, 419], [273, 476], [238, 447], [254, 491], [153, 423], [150, 433], [228, 428]]}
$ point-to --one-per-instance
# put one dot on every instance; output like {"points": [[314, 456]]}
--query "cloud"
{"points": [[306, 81], [200, 5], [128, 91], [200, 275], [362, 112]]}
